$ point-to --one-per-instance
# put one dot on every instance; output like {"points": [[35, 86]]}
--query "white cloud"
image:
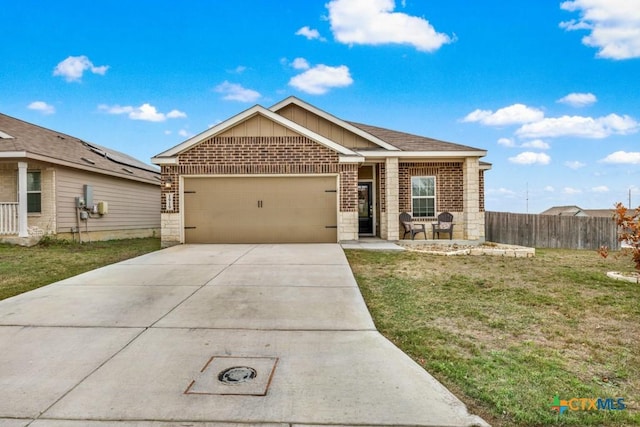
{"points": [[574, 164], [176, 114], [506, 142], [549, 188], [501, 191], [578, 99], [513, 114], [623, 157], [145, 112], [600, 189], [74, 67], [300, 64], [42, 106], [536, 143], [579, 126], [310, 33], [319, 79], [373, 22], [530, 158], [238, 70], [571, 190], [184, 133], [614, 26], [235, 92]]}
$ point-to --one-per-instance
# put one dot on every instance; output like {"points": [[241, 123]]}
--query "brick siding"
{"points": [[449, 184], [262, 156]]}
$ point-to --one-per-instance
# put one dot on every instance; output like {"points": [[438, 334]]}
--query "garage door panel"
{"points": [[260, 209]]}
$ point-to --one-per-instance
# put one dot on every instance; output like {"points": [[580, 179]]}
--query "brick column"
{"points": [[392, 200], [473, 219]]}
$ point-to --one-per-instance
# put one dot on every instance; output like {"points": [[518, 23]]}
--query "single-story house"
{"points": [[578, 211], [55, 184], [295, 173]]}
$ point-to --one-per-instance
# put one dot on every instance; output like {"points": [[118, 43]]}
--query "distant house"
{"points": [[578, 211], [56, 184], [296, 173]]}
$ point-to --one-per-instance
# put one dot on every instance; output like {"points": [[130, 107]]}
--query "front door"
{"points": [[365, 208]]}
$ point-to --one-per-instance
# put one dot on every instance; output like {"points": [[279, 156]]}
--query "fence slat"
{"points": [[551, 231]]}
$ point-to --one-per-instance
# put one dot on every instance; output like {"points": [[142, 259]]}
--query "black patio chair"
{"points": [[444, 225], [410, 227]]}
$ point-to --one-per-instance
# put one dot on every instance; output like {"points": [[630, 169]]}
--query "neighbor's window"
{"points": [[34, 193], [423, 196]]}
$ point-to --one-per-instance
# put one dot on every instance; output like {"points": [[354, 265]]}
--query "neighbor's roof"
{"points": [[21, 139], [603, 213], [409, 142], [563, 210]]}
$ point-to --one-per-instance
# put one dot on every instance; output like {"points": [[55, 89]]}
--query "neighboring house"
{"points": [[578, 211], [295, 173], [56, 184]]}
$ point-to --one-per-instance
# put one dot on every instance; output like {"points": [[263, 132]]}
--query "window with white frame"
{"points": [[423, 196], [34, 192]]}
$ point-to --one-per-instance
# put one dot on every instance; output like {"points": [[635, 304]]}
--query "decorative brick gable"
{"points": [[280, 155]]}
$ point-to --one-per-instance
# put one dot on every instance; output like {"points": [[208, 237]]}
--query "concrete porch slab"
{"points": [[45, 363], [122, 306], [272, 308], [322, 377]]}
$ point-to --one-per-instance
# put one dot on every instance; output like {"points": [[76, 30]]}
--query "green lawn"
{"points": [[508, 334], [23, 269]]}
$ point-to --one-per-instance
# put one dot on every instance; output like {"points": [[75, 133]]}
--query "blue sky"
{"points": [[549, 88]]}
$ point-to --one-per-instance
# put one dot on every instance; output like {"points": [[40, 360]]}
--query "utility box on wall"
{"points": [[103, 208], [88, 195]]}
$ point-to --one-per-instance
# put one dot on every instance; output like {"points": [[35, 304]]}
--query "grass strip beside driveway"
{"points": [[23, 269], [508, 334]]}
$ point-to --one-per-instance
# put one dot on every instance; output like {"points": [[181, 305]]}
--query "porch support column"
{"points": [[22, 200], [473, 219], [392, 198]]}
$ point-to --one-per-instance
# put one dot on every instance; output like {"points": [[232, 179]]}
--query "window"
{"points": [[423, 196], [34, 194]]}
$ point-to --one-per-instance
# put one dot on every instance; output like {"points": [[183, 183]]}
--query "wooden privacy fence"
{"points": [[551, 231]]}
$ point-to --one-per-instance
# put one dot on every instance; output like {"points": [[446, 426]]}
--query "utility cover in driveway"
{"points": [[297, 209], [234, 375]]}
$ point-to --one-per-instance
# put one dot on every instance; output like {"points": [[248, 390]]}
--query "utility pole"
{"points": [[527, 198]]}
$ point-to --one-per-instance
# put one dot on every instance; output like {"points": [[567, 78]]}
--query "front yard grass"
{"points": [[23, 269], [506, 335]]}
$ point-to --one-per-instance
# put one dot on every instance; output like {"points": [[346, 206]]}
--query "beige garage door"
{"points": [[260, 210]]}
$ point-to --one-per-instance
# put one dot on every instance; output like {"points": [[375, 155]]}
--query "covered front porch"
{"points": [[14, 221]]}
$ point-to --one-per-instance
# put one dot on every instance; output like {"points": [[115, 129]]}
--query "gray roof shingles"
{"points": [[59, 148], [408, 142]]}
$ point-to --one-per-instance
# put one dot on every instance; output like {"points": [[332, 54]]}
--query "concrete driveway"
{"points": [[211, 335]]}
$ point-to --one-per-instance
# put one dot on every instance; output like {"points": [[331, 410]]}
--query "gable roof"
{"points": [[26, 140], [169, 155], [564, 211], [333, 119], [391, 143], [578, 211]]}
